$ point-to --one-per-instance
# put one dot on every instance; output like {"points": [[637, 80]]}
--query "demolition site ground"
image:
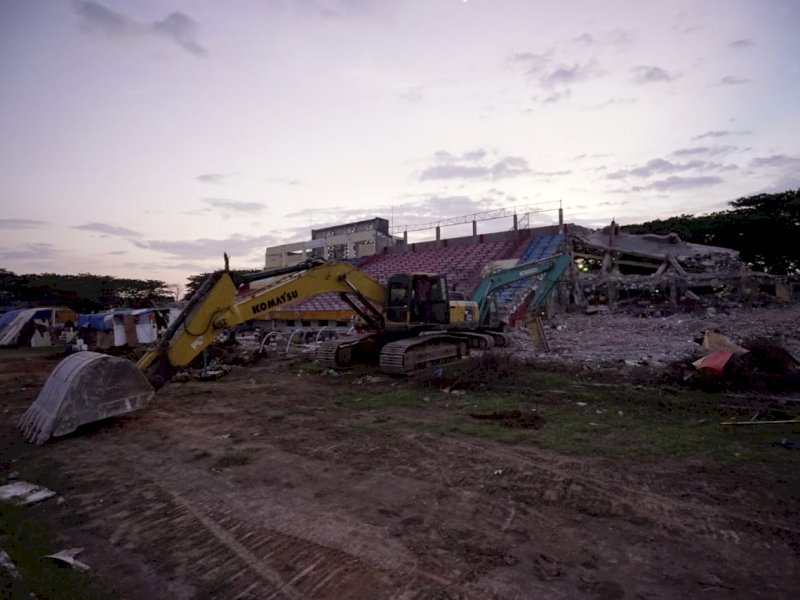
{"points": [[493, 481]]}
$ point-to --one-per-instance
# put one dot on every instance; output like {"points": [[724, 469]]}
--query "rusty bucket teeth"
{"points": [[83, 388]]}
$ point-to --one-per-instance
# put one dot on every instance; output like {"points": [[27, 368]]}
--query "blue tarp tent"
{"points": [[96, 322]]}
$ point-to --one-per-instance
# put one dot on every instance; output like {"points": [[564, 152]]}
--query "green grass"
{"points": [[27, 540], [401, 396], [578, 418], [233, 458]]}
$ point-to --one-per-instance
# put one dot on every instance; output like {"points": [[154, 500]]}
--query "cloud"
{"points": [[720, 133], [651, 74], [30, 251], [741, 44], [660, 166], [617, 102], [564, 75], [731, 80], [551, 75], [21, 223], [704, 151], [777, 161], [106, 229], [472, 165], [180, 28], [235, 205], [676, 183], [613, 37], [99, 19], [235, 245], [212, 177]]}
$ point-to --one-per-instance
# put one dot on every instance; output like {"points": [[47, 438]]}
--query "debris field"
{"points": [[278, 481]]}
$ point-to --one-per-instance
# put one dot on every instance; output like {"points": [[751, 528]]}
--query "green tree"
{"points": [[764, 229]]}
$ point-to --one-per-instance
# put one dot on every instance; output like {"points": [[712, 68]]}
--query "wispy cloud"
{"points": [[110, 230], [177, 27], [720, 133], [180, 29], [29, 251], [617, 102], [205, 248], [704, 151], [651, 74], [474, 165], [778, 161], [235, 205], [215, 178], [556, 77], [731, 80], [21, 223], [677, 183], [660, 166], [741, 44]]}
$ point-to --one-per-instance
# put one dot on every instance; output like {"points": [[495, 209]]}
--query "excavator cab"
{"points": [[418, 299]]}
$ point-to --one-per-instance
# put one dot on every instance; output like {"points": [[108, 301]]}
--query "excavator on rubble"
{"points": [[412, 325]]}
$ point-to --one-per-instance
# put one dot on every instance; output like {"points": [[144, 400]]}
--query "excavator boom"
{"points": [[89, 386]]}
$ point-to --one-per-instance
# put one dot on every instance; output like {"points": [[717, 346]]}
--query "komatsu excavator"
{"points": [[412, 325]]}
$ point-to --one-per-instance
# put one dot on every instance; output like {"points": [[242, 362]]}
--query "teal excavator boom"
{"points": [[552, 267]]}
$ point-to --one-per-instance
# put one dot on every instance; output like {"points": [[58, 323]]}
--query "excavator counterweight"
{"points": [[83, 388]]}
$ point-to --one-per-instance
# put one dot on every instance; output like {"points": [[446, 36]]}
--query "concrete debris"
{"points": [[661, 272], [22, 492], [7, 565], [68, 557], [591, 342]]}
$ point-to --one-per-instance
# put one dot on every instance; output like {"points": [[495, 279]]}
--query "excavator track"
{"points": [[339, 354], [405, 357]]}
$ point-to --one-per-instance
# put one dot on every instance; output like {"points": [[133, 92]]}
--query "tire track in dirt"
{"points": [[528, 474], [569, 482], [192, 535]]}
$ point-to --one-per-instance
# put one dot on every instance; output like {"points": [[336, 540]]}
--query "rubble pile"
{"points": [[616, 337]]}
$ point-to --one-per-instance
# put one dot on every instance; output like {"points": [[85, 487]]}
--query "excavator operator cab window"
{"points": [[399, 299], [429, 303], [419, 299]]}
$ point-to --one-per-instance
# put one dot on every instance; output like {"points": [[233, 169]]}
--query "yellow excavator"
{"points": [[412, 325]]}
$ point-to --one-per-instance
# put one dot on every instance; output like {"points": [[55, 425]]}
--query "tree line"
{"points": [[764, 228], [83, 293]]}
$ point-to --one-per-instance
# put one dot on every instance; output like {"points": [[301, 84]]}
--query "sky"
{"points": [[145, 138]]}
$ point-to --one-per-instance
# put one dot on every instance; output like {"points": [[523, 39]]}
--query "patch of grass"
{"points": [[403, 396], [27, 540], [611, 421], [306, 367], [233, 458]]}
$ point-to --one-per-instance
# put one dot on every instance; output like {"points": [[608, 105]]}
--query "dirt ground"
{"points": [[275, 483]]}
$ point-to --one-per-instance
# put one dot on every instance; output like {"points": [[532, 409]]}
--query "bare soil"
{"points": [[271, 483]]}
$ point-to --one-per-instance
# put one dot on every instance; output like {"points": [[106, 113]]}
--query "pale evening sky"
{"points": [[144, 138]]}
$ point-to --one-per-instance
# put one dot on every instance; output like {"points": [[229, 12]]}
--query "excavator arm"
{"points": [[553, 267], [218, 307], [89, 386]]}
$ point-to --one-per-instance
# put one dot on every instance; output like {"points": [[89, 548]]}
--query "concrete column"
{"points": [[405, 237], [561, 220], [474, 228], [612, 294], [438, 233], [515, 222]]}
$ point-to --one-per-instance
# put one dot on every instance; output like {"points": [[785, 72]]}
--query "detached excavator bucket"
{"points": [[83, 388]]}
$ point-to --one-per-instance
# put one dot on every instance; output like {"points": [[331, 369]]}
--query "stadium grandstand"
{"points": [[464, 260]]}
